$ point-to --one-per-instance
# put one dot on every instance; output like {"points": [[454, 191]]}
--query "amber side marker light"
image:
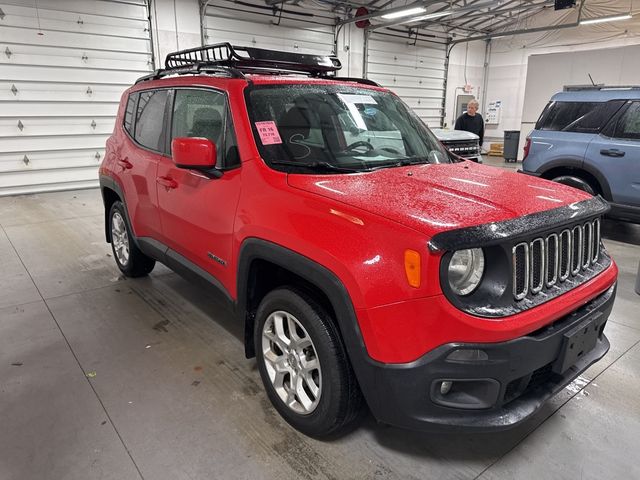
{"points": [[412, 267]]}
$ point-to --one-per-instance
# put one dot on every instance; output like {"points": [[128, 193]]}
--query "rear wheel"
{"points": [[576, 182], [129, 258], [303, 365]]}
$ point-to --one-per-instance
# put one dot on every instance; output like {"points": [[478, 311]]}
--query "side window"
{"points": [[150, 119], [595, 120], [128, 113], [557, 115], [628, 125], [199, 113]]}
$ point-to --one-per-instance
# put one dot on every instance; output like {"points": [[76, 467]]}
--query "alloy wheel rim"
{"points": [[292, 363], [120, 238]]}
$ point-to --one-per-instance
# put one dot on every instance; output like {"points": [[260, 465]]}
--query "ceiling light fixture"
{"points": [[404, 13], [446, 13], [614, 18], [430, 16]]}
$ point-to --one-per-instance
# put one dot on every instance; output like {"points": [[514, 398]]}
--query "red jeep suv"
{"points": [[366, 263]]}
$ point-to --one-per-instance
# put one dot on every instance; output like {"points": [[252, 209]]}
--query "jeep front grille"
{"points": [[545, 261]]}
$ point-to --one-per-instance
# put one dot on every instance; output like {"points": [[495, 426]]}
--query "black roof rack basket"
{"points": [[252, 60]]}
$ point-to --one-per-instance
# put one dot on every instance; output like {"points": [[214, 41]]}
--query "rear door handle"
{"points": [[614, 152], [125, 163], [167, 182]]}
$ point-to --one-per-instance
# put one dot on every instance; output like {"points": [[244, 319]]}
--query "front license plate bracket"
{"points": [[577, 342]]}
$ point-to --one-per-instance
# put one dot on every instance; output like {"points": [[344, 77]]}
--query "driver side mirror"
{"points": [[194, 152]]}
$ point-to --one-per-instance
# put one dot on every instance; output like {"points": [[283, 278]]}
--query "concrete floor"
{"points": [[103, 377]]}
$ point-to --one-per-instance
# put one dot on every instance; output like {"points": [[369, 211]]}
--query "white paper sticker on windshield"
{"points": [[357, 99], [268, 133]]}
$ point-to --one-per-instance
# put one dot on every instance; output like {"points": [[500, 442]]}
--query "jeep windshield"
{"points": [[337, 129]]}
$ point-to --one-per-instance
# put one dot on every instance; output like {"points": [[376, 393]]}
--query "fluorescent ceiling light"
{"points": [[429, 16], [442, 13], [404, 13], [615, 18]]}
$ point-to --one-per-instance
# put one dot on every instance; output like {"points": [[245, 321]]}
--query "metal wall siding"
{"points": [[40, 162], [118, 9], [415, 72], [59, 92], [63, 126], [300, 29], [78, 40], [73, 92]]}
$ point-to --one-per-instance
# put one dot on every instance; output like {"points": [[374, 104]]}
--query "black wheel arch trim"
{"points": [[318, 275], [495, 233], [579, 165], [111, 184]]}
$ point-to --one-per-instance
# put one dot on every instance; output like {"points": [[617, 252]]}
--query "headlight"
{"points": [[465, 270]]}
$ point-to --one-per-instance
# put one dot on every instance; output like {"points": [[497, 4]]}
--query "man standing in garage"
{"points": [[471, 120]]}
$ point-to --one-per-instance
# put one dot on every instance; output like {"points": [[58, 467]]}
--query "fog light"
{"points": [[445, 387], [468, 394], [468, 355]]}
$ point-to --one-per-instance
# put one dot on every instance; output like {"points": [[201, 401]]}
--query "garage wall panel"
{"points": [[413, 70], [286, 27], [63, 67]]}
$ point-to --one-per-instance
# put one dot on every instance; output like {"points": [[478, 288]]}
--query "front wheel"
{"points": [[129, 258], [303, 365]]}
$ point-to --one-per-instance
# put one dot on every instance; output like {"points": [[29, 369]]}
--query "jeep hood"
{"points": [[435, 198]]}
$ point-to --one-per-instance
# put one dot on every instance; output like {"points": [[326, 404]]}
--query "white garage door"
{"points": [[63, 67], [415, 71], [285, 27]]}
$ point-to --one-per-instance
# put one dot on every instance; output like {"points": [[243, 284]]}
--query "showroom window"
{"points": [[557, 115], [628, 125], [199, 113], [149, 119]]}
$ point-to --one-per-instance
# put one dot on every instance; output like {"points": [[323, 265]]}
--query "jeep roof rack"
{"points": [[235, 61]]}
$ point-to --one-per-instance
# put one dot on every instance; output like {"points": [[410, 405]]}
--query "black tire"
{"points": [[136, 263], [339, 402], [576, 182]]}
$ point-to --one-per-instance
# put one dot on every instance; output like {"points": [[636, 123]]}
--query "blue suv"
{"points": [[589, 138]]}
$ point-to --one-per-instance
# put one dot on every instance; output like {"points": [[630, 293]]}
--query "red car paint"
{"points": [[357, 226]]}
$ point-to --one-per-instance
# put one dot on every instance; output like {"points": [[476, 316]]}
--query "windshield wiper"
{"points": [[405, 162], [316, 166]]}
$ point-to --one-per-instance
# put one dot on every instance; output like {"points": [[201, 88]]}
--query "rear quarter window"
{"points": [[128, 113]]}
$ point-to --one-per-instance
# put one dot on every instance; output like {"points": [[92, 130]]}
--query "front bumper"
{"points": [[629, 213], [533, 174], [512, 383]]}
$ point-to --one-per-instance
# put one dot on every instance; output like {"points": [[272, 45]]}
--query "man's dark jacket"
{"points": [[471, 124]]}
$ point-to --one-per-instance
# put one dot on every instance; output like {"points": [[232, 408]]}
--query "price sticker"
{"points": [[268, 132]]}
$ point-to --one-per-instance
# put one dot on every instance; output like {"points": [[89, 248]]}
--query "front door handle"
{"points": [[167, 182], [125, 163], [614, 152]]}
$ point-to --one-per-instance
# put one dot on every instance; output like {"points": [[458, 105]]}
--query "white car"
{"points": [[460, 142]]}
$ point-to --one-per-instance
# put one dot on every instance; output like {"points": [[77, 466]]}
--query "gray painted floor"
{"points": [[103, 377]]}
